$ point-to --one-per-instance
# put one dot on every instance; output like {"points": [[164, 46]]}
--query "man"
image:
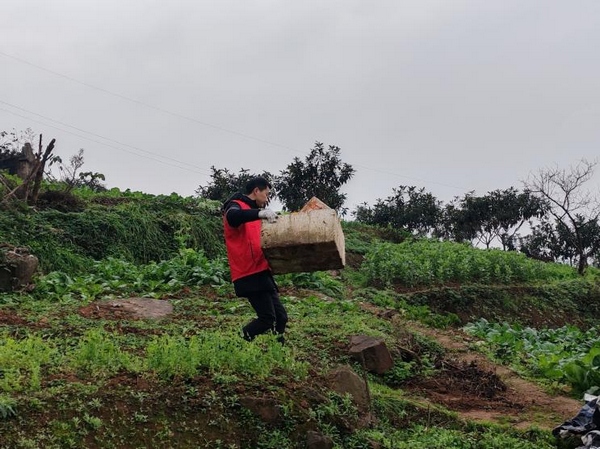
{"points": [[250, 271]]}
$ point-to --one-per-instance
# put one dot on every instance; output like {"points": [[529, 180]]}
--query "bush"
{"points": [[136, 228]]}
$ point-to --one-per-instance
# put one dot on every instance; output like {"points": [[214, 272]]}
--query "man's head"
{"points": [[258, 189]]}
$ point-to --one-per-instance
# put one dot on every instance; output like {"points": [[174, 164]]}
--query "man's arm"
{"points": [[236, 215]]}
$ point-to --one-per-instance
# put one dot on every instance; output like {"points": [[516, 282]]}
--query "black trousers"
{"points": [[271, 316]]}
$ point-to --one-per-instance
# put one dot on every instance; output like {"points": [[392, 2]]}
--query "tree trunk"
{"points": [[582, 264], [39, 175]]}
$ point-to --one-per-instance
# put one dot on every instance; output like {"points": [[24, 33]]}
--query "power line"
{"points": [[141, 103], [101, 137], [101, 143], [194, 120]]}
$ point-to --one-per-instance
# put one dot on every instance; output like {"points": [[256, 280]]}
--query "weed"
{"points": [[98, 353], [8, 406], [217, 352], [21, 362], [92, 421]]}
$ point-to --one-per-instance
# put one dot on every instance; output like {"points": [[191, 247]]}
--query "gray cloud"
{"points": [[450, 96]]}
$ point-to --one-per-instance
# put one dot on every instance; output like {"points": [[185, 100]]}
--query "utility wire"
{"points": [[141, 103], [102, 143], [102, 137], [192, 119]]}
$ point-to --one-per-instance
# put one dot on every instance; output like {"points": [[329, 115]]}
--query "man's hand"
{"points": [[268, 214]]}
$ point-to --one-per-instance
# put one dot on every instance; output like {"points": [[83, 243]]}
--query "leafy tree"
{"points": [[555, 242], [544, 243], [92, 180], [575, 210], [321, 174], [224, 183], [498, 215], [409, 208]]}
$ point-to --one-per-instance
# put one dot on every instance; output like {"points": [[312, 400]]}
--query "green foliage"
{"points": [[7, 183], [138, 228], [389, 299], [359, 237], [428, 262], [119, 277], [220, 352], [335, 407], [556, 241], [429, 437], [321, 174], [224, 183], [319, 280], [194, 358], [99, 354], [574, 210], [400, 372], [409, 209], [565, 355], [21, 362], [496, 216], [8, 406]]}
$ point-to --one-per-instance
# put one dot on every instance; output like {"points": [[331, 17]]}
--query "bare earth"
{"points": [[516, 400]]}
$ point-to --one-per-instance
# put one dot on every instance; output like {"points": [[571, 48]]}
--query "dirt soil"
{"points": [[480, 390]]}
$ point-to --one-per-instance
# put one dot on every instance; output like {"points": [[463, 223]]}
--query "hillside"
{"points": [[130, 339]]}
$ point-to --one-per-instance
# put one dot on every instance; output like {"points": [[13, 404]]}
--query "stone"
{"points": [[316, 440], [372, 352], [266, 409], [307, 241], [17, 268], [128, 308], [343, 380]]}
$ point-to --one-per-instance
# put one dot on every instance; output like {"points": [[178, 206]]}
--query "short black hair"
{"points": [[259, 182]]}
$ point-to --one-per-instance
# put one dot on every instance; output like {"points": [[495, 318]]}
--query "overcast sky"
{"points": [[449, 95]]}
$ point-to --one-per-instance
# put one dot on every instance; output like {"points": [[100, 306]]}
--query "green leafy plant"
{"points": [[8, 406], [219, 352], [429, 262], [98, 353], [319, 280], [565, 355], [21, 362]]}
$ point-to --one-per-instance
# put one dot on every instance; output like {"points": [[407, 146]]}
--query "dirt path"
{"points": [[522, 403]]}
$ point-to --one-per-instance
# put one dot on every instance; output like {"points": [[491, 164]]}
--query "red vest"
{"points": [[243, 247]]}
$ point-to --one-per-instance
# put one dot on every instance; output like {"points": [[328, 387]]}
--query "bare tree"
{"points": [[71, 171], [573, 207]]}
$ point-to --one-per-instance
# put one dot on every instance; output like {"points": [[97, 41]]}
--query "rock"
{"points": [[128, 308], [316, 440], [343, 380], [17, 267], [265, 408], [373, 352]]}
